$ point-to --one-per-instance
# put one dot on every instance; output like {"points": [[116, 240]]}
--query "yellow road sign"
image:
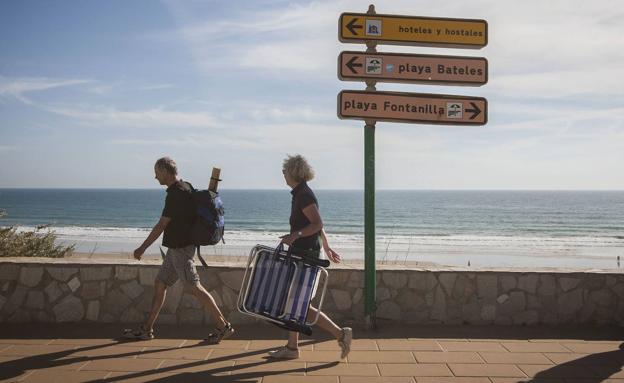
{"points": [[412, 107], [412, 30]]}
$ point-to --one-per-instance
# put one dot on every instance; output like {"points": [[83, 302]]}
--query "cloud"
{"points": [[19, 87], [146, 118]]}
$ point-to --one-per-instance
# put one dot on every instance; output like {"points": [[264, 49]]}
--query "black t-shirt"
{"points": [[302, 197], [180, 208]]}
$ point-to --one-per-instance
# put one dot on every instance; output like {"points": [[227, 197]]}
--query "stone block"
{"points": [[116, 302], [503, 321], [237, 318], [95, 273], [41, 317], [73, 284], [93, 311], [515, 304], [568, 284], [16, 300], [429, 298], [389, 310], [35, 300], [465, 289], [394, 280], [357, 296], [147, 275], [508, 283], [356, 279], [569, 303], [502, 299], [229, 298], [471, 313], [533, 302], [174, 296], [340, 278], [69, 309], [342, 299], [383, 294], [53, 291], [487, 287], [488, 313], [191, 316], [190, 301], [9, 272], [20, 316], [217, 297], [602, 298], [416, 316], [528, 282], [167, 319], [126, 273], [619, 290], [594, 281], [547, 285], [529, 318], [587, 312], [438, 311], [93, 290], [132, 315], [31, 276], [132, 289], [61, 273], [232, 279], [447, 280], [410, 300]]}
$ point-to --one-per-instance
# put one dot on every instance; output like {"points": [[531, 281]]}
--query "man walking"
{"points": [[176, 220]]}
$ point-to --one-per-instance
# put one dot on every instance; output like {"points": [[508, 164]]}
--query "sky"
{"points": [[93, 92]]}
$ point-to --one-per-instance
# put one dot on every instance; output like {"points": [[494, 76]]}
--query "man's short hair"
{"points": [[167, 164]]}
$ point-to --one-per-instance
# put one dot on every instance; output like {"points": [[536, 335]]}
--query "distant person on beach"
{"points": [[176, 220], [306, 237]]}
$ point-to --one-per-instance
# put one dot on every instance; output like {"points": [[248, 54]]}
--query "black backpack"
{"points": [[209, 221]]}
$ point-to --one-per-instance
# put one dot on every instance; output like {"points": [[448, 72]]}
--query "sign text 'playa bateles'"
{"points": [[412, 30], [412, 107], [413, 68]]}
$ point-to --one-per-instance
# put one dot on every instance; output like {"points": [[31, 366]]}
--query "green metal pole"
{"points": [[370, 274], [369, 226]]}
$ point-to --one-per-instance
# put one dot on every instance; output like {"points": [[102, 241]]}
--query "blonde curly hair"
{"points": [[297, 168]]}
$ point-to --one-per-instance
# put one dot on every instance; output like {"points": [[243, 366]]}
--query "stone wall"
{"points": [[40, 290]]}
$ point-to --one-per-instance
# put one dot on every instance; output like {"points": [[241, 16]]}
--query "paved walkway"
{"points": [[423, 354]]}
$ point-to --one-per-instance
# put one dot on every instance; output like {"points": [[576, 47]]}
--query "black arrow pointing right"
{"points": [[352, 64], [352, 27], [475, 111]]}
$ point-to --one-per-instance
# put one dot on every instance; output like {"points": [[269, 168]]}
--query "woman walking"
{"points": [[306, 237]]}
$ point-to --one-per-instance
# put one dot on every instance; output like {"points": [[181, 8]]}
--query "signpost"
{"points": [[412, 68], [412, 107], [372, 106], [410, 30]]}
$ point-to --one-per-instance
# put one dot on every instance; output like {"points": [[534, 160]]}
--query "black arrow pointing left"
{"points": [[352, 64], [475, 111], [352, 27]]}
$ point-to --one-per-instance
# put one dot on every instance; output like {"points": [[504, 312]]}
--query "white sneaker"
{"points": [[345, 342], [284, 353]]}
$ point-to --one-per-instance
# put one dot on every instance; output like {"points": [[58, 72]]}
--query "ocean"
{"points": [[577, 229]]}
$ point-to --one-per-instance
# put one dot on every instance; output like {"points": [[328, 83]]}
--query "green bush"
{"points": [[31, 244]]}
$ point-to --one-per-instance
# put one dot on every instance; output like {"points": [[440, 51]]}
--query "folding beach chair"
{"points": [[279, 286]]}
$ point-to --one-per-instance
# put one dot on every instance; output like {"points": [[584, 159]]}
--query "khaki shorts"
{"points": [[178, 264]]}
